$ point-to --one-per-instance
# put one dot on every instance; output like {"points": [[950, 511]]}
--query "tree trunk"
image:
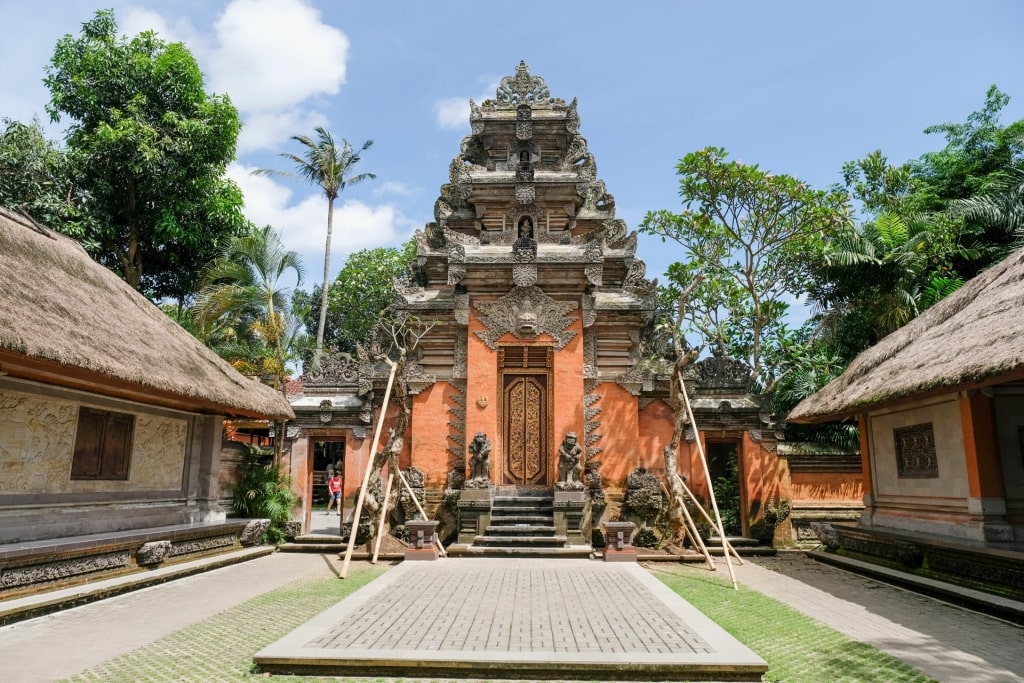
{"points": [[392, 450], [324, 291]]}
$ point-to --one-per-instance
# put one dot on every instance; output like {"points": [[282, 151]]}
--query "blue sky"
{"points": [[796, 87]]}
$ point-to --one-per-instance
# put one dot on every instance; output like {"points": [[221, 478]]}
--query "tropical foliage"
{"points": [[242, 307], [331, 168], [148, 148], [264, 492]]}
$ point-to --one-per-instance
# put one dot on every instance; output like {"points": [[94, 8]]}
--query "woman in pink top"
{"points": [[334, 489]]}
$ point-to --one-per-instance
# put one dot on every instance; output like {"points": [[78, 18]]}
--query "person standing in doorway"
{"points": [[334, 492]]}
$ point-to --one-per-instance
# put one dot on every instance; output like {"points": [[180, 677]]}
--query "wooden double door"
{"points": [[526, 415]]}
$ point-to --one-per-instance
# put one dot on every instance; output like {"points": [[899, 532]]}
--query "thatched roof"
{"points": [[970, 339], [72, 321]]}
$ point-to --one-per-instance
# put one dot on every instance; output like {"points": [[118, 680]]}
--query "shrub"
{"points": [[264, 492]]}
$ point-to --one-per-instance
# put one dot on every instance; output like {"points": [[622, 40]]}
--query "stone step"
{"points": [[569, 552], [520, 530], [524, 504], [734, 541], [520, 541], [309, 547], [512, 520]]}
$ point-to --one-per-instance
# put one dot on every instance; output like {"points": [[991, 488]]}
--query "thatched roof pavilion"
{"points": [[971, 339], [66, 320]]}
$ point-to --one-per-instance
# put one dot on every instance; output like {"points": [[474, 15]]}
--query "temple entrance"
{"points": [[525, 415]]}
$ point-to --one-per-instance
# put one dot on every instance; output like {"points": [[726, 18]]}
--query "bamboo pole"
{"points": [[383, 518], [423, 514], [707, 475], [691, 530], [366, 475], [726, 545]]}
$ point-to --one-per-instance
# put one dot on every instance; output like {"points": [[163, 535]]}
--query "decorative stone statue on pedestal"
{"points": [[569, 465], [479, 463]]}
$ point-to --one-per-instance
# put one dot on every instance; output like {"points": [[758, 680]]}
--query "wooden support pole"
{"points": [[423, 514], [383, 518], [366, 475], [691, 529], [707, 476], [726, 545]]}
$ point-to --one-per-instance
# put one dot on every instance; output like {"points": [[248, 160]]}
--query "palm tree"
{"points": [[242, 307], [330, 167], [1002, 207]]}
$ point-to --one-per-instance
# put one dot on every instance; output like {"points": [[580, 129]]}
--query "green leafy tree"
{"points": [[749, 234], [242, 307], [36, 178], [150, 148], [363, 289], [331, 168]]}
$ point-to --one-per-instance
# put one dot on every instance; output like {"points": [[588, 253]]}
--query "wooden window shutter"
{"points": [[103, 444]]}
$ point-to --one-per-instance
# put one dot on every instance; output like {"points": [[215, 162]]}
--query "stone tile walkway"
{"points": [[525, 618], [946, 642]]}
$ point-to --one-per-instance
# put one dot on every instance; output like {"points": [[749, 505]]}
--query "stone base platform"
{"points": [[534, 618]]}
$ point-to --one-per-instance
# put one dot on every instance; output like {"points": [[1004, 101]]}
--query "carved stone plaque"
{"points": [[915, 452]]}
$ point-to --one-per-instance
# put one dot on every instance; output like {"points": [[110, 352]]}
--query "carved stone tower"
{"points": [[535, 291]]}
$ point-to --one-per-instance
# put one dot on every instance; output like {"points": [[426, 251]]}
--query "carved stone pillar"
{"points": [[568, 508], [619, 541], [474, 513], [423, 536]]}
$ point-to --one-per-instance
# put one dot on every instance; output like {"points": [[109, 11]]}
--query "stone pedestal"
{"points": [[568, 509], [423, 536], [474, 514], [619, 541]]}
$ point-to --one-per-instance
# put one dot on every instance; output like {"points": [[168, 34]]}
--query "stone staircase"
{"points": [[522, 525]]}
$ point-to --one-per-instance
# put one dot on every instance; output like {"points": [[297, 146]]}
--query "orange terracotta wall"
{"points": [[654, 432], [827, 488], [483, 412], [429, 433]]}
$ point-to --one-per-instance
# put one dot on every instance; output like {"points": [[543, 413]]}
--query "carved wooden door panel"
{"points": [[525, 408]]}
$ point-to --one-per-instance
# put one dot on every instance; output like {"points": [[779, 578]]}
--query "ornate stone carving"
{"points": [[504, 316], [635, 275], [415, 378], [479, 462], [589, 310], [915, 452], [254, 532], [524, 124], [590, 425], [522, 88], [336, 368], [461, 351], [643, 496], [152, 553], [590, 370], [525, 193], [359, 432], [569, 465], [415, 478], [524, 274], [460, 188], [325, 411], [632, 380], [720, 372], [201, 545], [16, 577], [457, 427]]}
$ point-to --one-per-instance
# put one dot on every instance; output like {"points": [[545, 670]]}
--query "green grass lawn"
{"points": [[797, 648]]}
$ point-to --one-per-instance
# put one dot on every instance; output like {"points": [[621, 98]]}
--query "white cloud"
{"points": [[275, 54], [453, 112], [303, 225], [392, 187], [266, 130], [135, 20]]}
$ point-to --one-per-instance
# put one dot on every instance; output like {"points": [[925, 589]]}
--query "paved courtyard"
{"points": [[946, 642], [524, 618]]}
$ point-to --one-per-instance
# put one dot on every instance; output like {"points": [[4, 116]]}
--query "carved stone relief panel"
{"points": [[158, 452], [457, 426], [589, 355], [36, 443], [524, 274], [459, 368], [522, 88], [915, 452], [591, 425], [505, 316]]}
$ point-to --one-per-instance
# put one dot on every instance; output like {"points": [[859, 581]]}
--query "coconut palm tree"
{"points": [[242, 306], [330, 167]]}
